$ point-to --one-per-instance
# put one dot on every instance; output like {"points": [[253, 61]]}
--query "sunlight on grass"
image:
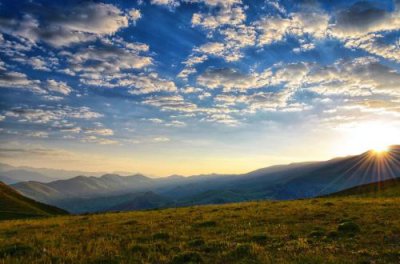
{"points": [[363, 230]]}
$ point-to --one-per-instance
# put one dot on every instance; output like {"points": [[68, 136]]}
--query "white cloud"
{"points": [[100, 141], [215, 3], [53, 98], [274, 29], [239, 37], [362, 26], [230, 79], [372, 44], [51, 114], [148, 83], [161, 139], [18, 80], [68, 25], [58, 87], [361, 76], [135, 14], [106, 59], [227, 15], [363, 18], [169, 3], [190, 90], [38, 62], [176, 123], [171, 103], [156, 120], [190, 64], [38, 134], [99, 131], [228, 52]]}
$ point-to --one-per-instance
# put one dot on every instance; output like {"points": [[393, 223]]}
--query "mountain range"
{"points": [[13, 174], [112, 192], [10, 174]]}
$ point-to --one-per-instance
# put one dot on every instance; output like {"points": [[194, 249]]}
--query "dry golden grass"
{"points": [[326, 230]]}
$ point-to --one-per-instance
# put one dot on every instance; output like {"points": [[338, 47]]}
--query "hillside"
{"points": [[284, 182], [13, 205], [389, 188], [325, 230]]}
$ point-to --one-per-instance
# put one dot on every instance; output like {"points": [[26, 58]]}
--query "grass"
{"points": [[15, 206], [324, 230]]}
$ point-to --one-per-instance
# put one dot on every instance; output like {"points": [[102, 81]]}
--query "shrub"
{"points": [[333, 234], [260, 238], [206, 224], [196, 243], [131, 222], [316, 233], [16, 250], [161, 236], [348, 227], [241, 251], [138, 249], [187, 258]]}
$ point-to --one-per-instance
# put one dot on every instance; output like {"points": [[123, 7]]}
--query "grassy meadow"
{"points": [[324, 230]]}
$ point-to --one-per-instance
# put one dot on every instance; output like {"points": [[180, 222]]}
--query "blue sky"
{"points": [[195, 86]]}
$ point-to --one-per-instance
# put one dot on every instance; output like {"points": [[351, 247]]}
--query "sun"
{"points": [[380, 149], [374, 135]]}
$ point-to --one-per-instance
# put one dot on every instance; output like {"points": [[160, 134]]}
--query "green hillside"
{"points": [[14, 206], [389, 188], [324, 230]]}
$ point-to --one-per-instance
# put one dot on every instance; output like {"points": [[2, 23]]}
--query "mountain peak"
{"points": [[110, 176]]}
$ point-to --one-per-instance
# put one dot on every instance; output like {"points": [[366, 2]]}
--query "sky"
{"points": [[189, 87]]}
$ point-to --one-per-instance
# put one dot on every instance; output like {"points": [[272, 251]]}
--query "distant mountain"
{"points": [[6, 180], [85, 187], [15, 206], [293, 181], [89, 194], [388, 188], [24, 173], [14, 176], [10, 174], [147, 200]]}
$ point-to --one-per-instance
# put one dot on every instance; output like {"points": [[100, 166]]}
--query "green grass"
{"points": [[388, 188], [324, 230], [15, 206]]}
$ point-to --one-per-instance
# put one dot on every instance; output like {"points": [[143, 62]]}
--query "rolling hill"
{"points": [[14, 206], [284, 182], [388, 188]]}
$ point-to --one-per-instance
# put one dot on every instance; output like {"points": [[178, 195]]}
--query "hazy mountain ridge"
{"points": [[9, 175], [14, 174], [293, 181]]}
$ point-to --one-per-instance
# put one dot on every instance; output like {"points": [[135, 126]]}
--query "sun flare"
{"points": [[381, 149], [376, 136]]}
